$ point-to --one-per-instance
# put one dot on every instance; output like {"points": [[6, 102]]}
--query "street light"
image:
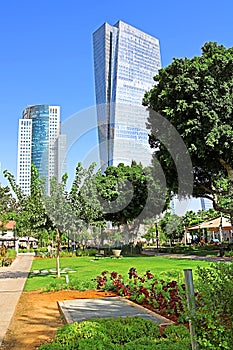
{"points": [[157, 234]]}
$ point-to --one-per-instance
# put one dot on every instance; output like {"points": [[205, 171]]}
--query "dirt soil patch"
{"points": [[37, 318]]}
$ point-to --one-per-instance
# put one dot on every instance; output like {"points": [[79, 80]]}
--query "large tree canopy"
{"points": [[31, 216], [130, 193], [172, 226], [196, 97]]}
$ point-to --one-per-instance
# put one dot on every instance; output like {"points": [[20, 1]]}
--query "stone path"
{"points": [[12, 281], [85, 309], [152, 252]]}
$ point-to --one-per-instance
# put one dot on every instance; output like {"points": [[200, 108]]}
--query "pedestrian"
{"points": [[49, 250]]}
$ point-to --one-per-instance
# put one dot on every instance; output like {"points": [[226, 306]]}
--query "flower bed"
{"points": [[166, 298], [212, 319]]}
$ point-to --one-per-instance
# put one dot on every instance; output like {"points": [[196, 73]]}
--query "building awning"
{"points": [[27, 239], [5, 238], [214, 224]]}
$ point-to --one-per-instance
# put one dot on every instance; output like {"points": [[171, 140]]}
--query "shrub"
{"points": [[6, 261], [52, 347], [141, 343], [11, 253], [112, 334], [180, 345], [124, 330], [175, 333], [86, 252], [96, 344], [7, 256], [214, 314], [73, 284]]}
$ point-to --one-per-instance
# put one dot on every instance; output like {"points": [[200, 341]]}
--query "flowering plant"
{"points": [[167, 297]]}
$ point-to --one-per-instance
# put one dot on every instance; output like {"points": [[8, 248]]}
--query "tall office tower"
{"points": [[125, 62], [206, 204], [60, 147], [38, 144]]}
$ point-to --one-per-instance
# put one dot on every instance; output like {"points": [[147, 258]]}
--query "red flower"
{"points": [[149, 275], [141, 279], [104, 273], [114, 275], [132, 273]]}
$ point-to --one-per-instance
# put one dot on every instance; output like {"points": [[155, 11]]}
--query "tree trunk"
{"points": [[101, 237], [58, 254]]}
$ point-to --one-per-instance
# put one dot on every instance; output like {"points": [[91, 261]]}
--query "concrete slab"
{"points": [[85, 309]]}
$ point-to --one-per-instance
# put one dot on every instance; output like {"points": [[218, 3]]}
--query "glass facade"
{"points": [[40, 137], [206, 204], [60, 156], [125, 62], [39, 130]]}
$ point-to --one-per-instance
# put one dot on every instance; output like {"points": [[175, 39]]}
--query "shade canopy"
{"points": [[214, 224]]}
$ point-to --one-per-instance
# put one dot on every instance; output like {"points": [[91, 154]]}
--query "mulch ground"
{"points": [[37, 318]]}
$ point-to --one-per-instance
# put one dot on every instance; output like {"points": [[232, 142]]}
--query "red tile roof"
{"points": [[9, 225]]}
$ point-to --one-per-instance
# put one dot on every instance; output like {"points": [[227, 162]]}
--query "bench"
{"points": [[99, 255]]}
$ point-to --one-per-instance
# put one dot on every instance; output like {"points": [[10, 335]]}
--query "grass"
{"points": [[87, 269]]}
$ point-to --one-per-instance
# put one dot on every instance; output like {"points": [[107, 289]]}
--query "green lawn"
{"points": [[87, 269]]}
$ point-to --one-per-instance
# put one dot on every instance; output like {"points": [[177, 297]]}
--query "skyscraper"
{"points": [[39, 144], [206, 204], [125, 62]]}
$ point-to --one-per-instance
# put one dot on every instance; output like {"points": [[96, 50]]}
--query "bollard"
{"points": [[191, 304]]}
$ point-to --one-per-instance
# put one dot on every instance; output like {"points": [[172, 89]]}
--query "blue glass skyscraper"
{"points": [[125, 62]]}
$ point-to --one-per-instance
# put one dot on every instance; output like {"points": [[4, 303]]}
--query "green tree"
{"points": [[172, 226], [83, 196], [150, 234], [15, 188], [8, 203], [59, 211], [8, 206], [130, 195], [31, 216], [195, 96], [33, 204], [75, 210], [87, 210], [190, 218]]}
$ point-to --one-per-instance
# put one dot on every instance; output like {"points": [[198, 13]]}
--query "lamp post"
{"points": [[157, 234]]}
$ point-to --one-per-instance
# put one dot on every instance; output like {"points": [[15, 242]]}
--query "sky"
{"points": [[47, 51]]}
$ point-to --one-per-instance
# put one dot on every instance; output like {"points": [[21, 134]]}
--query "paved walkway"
{"points": [[12, 281], [152, 252]]}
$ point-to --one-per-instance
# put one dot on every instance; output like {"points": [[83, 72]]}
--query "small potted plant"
{"points": [[116, 252]]}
